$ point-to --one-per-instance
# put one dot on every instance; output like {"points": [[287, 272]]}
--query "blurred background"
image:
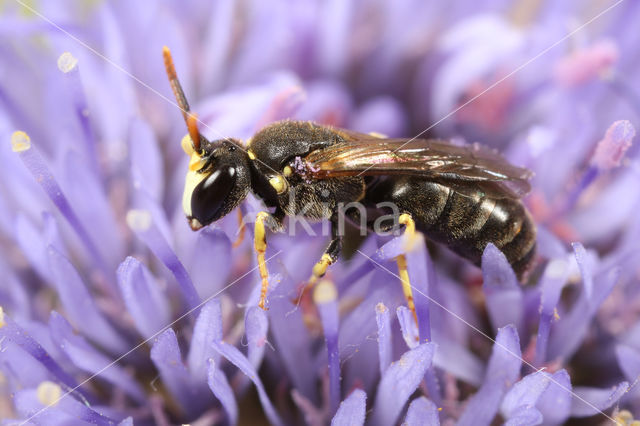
{"points": [[553, 85]]}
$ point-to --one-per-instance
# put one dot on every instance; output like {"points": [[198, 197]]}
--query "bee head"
{"points": [[218, 178], [217, 181]]}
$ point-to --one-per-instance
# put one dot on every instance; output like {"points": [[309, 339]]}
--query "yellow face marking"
{"points": [[287, 171], [191, 181], [187, 145], [278, 183], [252, 156]]}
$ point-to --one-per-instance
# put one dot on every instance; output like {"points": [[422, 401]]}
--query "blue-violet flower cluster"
{"points": [[114, 312]]}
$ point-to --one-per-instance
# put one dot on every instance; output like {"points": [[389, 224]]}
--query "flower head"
{"points": [[114, 312]]}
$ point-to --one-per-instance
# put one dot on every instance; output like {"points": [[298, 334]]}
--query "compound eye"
{"points": [[209, 196]]}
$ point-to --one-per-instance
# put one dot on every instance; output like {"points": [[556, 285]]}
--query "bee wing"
{"points": [[468, 169]]}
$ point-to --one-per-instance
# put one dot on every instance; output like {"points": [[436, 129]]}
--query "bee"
{"points": [[464, 197]]}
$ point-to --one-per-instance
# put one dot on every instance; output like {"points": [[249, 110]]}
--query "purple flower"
{"points": [[114, 312]]}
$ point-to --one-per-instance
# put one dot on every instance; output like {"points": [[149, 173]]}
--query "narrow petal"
{"points": [[325, 297], [629, 361], [399, 381], [591, 401], [35, 404], [97, 215], [525, 393], [383, 319], [79, 304], [585, 263], [146, 159], [502, 372], [37, 166], [146, 303], [256, 325], [142, 223], [14, 333], [222, 390], [210, 272], [207, 329], [500, 285], [293, 342], [234, 356], [352, 410], [165, 354], [459, 361], [88, 359], [555, 401], [553, 280], [408, 327], [422, 412]]}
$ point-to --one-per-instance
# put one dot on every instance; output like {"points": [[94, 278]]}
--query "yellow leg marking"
{"points": [[319, 269], [260, 244], [410, 231], [241, 230]]}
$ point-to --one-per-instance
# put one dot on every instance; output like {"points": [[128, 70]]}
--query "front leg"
{"points": [[274, 222]]}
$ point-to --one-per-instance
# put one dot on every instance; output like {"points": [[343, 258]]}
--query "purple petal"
{"points": [[585, 263], [210, 272], [570, 330], [88, 359], [145, 302], [555, 401], [383, 319], [30, 240], [502, 372], [524, 394], [207, 329], [552, 282], [256, 325], [408, 327], [524, 415], [504, 296], [325, 297], [97, 215], [628, 361], [383, 115], [146, 159], [220, 387], [422, 412], [591, 401], [66, 410], [351, 410], [79, 304], [37, 166], [459, 361], [14, 333], [236, 358], [165, 354], [142, 223], [292, 340], [422, 279], [610, 150], [400, 381]]}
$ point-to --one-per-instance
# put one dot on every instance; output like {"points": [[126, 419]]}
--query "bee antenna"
{"points": [[192, 126], [190, 119]]}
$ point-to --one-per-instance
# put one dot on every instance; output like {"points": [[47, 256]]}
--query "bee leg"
{"points": [[274, 222], [329, 257], [409, 231]]}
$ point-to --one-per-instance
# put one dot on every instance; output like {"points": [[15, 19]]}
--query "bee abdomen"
{"points": [[467, 224]]}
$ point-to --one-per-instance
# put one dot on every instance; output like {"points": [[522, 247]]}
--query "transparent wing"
{"points": [[468, 169]]}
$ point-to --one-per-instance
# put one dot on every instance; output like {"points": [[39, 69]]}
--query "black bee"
{"points": [[462, 196]]}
